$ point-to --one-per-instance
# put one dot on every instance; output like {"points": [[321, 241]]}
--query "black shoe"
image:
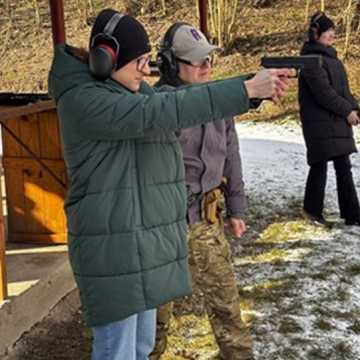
{"points": [[352, 222], [315, 219]]}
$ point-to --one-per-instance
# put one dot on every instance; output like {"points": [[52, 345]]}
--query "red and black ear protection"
{"points": [[104, 50]]}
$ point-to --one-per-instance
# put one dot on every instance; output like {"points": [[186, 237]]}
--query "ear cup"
{"points": [[167, 63], [104, 50], [166, 59], [102, 60]]}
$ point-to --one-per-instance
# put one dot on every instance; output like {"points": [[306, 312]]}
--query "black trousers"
{"points": [[316, 183]]}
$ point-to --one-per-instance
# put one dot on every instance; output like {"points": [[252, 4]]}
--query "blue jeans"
{"points": [[130, 339]]}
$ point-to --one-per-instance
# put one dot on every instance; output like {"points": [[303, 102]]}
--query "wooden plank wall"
{"points": [[35, 199]]}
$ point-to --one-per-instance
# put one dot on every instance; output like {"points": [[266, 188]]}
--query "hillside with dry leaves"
{"points": [[26, 42], [299, 284]]}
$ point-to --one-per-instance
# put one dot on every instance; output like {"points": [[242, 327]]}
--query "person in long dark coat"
{"points": [[328, 112]]}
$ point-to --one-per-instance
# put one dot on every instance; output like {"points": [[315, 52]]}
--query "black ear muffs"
{"points": [[167, 63], [102, 60], [314, 28], [314, 22], [104, 50], [316, 18], [166, 59]]}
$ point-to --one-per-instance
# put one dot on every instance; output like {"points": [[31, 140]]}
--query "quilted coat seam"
{"points": [[134, 272]]}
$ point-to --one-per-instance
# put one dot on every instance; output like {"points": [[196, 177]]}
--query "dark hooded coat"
{"points": [[325, 102]]}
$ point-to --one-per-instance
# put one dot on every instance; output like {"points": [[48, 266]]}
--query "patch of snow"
{"points": [[314, 313]]}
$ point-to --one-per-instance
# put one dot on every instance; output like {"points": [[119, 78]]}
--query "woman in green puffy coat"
{"points": [[126, 204]]}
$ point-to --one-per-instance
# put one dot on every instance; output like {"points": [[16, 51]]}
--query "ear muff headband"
{"points": [[112, 23], [105, 49]]}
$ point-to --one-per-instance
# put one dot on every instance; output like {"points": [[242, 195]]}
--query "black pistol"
{"points": [[292, 62]]}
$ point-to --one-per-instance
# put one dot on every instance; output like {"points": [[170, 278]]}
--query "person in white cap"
{"points": [[212, 172]]}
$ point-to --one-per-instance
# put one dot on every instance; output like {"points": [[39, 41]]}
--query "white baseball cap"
{"points": [[191, 44]]}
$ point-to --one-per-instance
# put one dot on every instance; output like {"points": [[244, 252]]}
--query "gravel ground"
{"points": [[300, 284]]}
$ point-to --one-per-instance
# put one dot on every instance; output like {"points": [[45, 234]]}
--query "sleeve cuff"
{"points": [[236, 206]]}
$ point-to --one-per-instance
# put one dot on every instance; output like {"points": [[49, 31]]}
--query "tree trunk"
{"points": [[356, 20], [212, 17], [163, 5], [37, 13], [232, 21], [91, 7], [7, 30], [219, 35], [322, 5], [348, 21], [82, 10], [222, 15], [307, 7], [7, 8]]}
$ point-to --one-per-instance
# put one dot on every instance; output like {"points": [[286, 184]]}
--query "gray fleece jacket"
{"points": [[211, 152]]}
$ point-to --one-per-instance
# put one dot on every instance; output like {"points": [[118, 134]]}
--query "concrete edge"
{"points": [[19, 314]]}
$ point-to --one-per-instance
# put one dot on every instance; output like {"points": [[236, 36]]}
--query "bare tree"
{"points": [[84, 10], [163, 5], [356, 20], [348, 17], [6, 31], [37, 12], [222, 18], [7, 9], [322, 5], [263, 3], [307, 7], [89, 10], [91, 6], [144, 6]]}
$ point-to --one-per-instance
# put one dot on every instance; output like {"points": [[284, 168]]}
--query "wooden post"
{"points": [[3, 277], [57, 21], [203, 17]]}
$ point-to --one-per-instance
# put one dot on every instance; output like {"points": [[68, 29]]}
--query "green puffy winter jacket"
{"points": [[126, 204]]}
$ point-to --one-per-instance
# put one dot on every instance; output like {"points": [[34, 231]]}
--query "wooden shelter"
{"points": [[34, 174]]}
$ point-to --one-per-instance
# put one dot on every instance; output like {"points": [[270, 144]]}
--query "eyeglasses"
{"points": [[141, 62], [198, 64]]}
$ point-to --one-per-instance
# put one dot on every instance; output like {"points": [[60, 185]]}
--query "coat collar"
{"points": [[316, 48]]}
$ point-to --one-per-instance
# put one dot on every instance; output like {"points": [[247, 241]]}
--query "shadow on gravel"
{"points": [[62, 335]]}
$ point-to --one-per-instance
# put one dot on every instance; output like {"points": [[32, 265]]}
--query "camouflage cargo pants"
{"points": [[212, 272]]}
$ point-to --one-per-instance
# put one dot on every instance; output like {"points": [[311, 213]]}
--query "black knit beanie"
{"points": [[130, 34], [321, 23]]}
